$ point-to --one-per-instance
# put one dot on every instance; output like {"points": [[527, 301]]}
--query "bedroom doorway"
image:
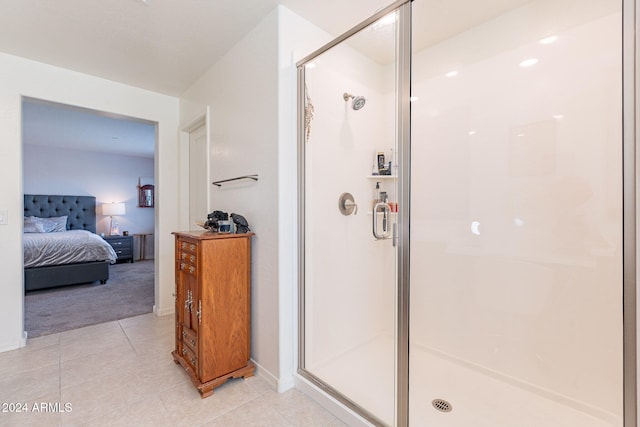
{"points": [[69, 150]]}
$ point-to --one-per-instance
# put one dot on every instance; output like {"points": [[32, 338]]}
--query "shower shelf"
{"points": [[381, 176]]}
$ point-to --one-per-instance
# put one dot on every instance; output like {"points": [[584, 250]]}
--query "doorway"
{"points": [[69, 150]]}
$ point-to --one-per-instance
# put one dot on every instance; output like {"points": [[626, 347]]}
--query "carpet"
{"points": [[128, 292]]}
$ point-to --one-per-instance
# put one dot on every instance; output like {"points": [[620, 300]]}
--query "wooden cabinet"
{"points": [[213, 297], [123, 245]]}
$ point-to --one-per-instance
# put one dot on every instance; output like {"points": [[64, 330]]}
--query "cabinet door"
{"points": [[225, 295], [189, 304], [179, 304]]}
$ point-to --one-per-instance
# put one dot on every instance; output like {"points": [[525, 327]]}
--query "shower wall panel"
{"points": [[349, 275], [516, 221]]}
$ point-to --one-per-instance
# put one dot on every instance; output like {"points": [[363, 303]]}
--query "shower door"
{"points": [[350, 204], [516, 214]]}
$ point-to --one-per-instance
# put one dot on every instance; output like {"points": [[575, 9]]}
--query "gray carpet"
{"points": [[127, 293]]}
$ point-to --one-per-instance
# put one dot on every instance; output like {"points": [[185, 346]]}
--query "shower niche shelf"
{"points": [[381, 176]]}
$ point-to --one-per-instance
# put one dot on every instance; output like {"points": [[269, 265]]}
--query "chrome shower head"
{"points": [[358, 101]]}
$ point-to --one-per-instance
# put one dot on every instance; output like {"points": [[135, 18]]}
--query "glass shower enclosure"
{"points": [[462, 220], [351, 222]]}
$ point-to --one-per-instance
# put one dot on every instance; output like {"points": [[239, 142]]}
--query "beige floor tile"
{"points": [[144, 328], [41, 342], [122, 374], [156, 348], [187, 408], [92, 398], [40, 411], [23, 360], [158, 376], [106, 330], [89, 345], [298, 409], [25, 386], [254, 413], [149, 412], [87, 368], [260, 385]]}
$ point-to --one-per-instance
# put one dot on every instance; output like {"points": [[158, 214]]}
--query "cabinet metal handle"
{"points": [[184, 351], [192, 247], [184, 245], [184, 334], [188, 303], [193, 258], [193, 342], [199, 312], [193, 362], [184, 255], [182, 265], [192, 269]]}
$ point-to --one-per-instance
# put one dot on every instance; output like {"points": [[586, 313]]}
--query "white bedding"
{"points": [[65, 247]]}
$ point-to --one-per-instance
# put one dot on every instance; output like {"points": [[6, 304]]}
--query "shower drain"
{"points": [[441, 405]]}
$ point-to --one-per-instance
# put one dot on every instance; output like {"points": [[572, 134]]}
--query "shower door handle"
{"points": [[386, 232], [395, 234]]}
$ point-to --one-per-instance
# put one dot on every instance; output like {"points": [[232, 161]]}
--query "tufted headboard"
{"points": [[80, 210]]}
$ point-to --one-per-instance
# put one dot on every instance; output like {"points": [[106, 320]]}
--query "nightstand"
{"points": [[123, 245]]}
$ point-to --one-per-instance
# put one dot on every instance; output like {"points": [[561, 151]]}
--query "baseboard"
{"points": [[164, 312], [280, 385], [338, 409]]}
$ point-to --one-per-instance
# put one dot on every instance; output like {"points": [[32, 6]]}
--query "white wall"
{"points": [[107, 177], [242, 93], [250, 93], [23, 77], [296, 39]]}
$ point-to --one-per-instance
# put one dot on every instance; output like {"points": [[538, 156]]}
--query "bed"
{"points": [[47, 228]]}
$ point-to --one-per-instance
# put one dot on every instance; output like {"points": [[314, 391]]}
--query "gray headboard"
{"points": [[80, 210]]}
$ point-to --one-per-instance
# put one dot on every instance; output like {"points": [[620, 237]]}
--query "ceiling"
{"points": [[62, 126], [160, 45], [165, 45]]}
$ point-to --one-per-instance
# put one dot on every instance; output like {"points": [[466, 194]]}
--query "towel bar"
{"points": [[219, 183]]}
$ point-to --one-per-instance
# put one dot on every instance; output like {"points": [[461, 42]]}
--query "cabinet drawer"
{"points": [[123, 252], [190, 357], [120, 242], [188, 246], [188, 257], [186, 267], [189, 339]]}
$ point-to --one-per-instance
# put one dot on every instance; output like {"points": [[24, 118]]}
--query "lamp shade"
{"points": [[111, 209]]}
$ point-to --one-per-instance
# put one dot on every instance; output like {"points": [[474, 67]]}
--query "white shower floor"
{"points": [[365, 374]]}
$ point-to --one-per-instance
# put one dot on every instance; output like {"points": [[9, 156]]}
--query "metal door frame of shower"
{"points": [[630, 120], [403, 83]]}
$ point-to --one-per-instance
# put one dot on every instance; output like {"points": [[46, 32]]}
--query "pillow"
{"points": [[45, 225], [31, 226], [56, 223]]}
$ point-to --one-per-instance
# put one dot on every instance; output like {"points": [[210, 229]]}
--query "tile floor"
{"points": [[122, 374]]}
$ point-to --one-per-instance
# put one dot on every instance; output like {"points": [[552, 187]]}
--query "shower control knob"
{"points": [[347, 205]]}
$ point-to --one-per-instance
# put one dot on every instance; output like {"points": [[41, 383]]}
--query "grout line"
{"points": [[133, 347]]}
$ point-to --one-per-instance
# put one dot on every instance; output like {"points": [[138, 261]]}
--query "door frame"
{"points": [[200, 119], [403, 70]]}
